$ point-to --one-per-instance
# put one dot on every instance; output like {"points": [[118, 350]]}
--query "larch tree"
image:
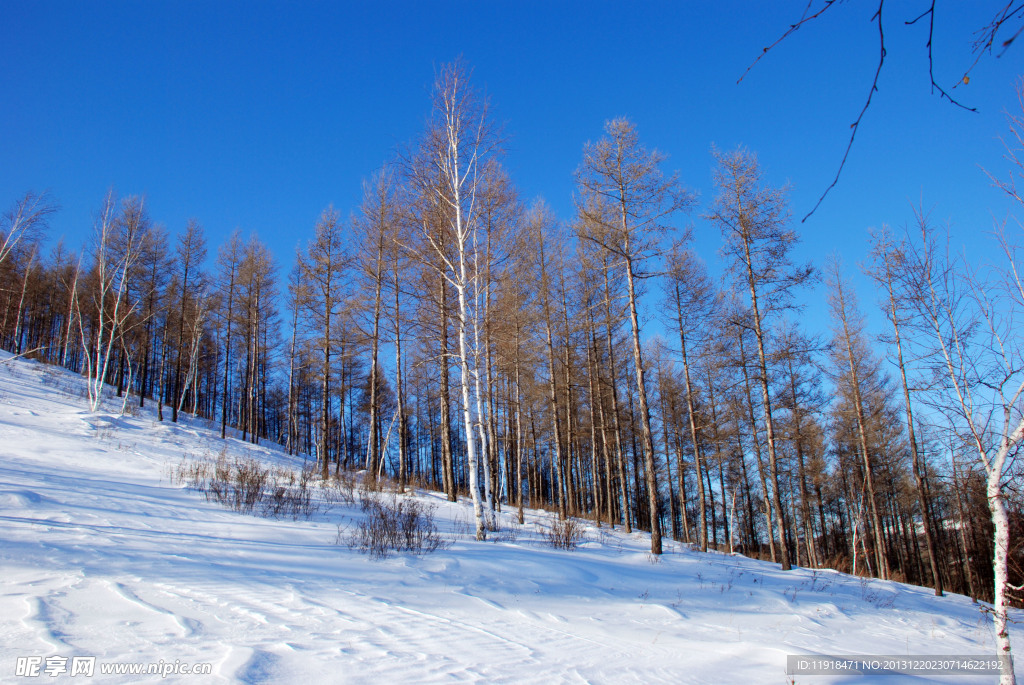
{"points": [[432, 303], [324, 266], [190, 253], [803, 399], [154, 263], [375, 228], [229, 257], [608, 302], [257, 318], [757, 241], [297, 296], [887, 257], [621, 174], [848, 345], [689, 303], [499, 211], [133, 221], [549, 254], [517, 306], [400, 275]]}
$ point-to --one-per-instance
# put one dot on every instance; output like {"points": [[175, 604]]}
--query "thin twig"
{"points": [[855, 125], [930, 13], [988, 36], [804, 18]]}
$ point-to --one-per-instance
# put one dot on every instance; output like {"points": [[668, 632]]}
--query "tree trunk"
{"points": [[645, 415]]}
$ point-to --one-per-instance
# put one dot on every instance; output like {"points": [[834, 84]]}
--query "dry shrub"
{"points": [[339, 489], [565, 534], [293, 499], [247, 486], [394, 524]]}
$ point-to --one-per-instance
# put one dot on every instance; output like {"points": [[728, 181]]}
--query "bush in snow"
{"points": [[565, 534], [247, 486], [393, 524]]}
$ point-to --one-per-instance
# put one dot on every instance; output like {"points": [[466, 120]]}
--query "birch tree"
{"points": [[457, 144], [26, 218], [974, 351], [116, 248]]}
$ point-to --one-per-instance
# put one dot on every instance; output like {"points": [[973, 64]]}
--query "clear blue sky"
{"points": [[259, 114]]}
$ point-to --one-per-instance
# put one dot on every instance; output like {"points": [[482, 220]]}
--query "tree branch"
{"points": [[804, 18], [930, 13], [874, 87]]}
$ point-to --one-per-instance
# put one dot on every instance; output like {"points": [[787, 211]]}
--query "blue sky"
{"points": [[259, 114]]}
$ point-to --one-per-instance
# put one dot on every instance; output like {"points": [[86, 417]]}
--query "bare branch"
{"points": [[804, 18], [930, 13], [855, 125]]}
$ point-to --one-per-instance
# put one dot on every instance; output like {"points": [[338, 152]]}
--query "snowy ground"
{"points": [[101, 554]]}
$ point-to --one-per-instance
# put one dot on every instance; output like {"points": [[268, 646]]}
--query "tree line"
{"points": [[452, 336]]}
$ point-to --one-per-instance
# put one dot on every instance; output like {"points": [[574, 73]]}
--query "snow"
{"points": [[102, 554]]}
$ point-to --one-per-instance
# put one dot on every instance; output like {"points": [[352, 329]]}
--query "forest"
{"points": [[451, 336]]}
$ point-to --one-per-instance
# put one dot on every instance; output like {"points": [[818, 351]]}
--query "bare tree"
{"points": [[26, 218], [975, 354], [229, 257], [754, 221], [689, 303], [458, 142], [803, 400], [618, 172], [257, 318], [1008, 15], [401, 268], [297, 296], [323, 269], [375, 229], [191, 252], [31, 260], [116, 249], [154, 265], [549, 256], [848, 344], [433, 310], [498, 212], [887, 257]]}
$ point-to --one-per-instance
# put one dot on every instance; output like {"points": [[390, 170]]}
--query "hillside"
{"points": [[103, 553]]}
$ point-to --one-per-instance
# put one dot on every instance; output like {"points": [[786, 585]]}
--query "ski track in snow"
{"points": [[101, 555]]}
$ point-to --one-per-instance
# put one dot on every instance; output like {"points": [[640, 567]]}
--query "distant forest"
{"points": [[451, 337]]}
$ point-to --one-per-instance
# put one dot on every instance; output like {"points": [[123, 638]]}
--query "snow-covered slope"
{"points": [[102, 555]]}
